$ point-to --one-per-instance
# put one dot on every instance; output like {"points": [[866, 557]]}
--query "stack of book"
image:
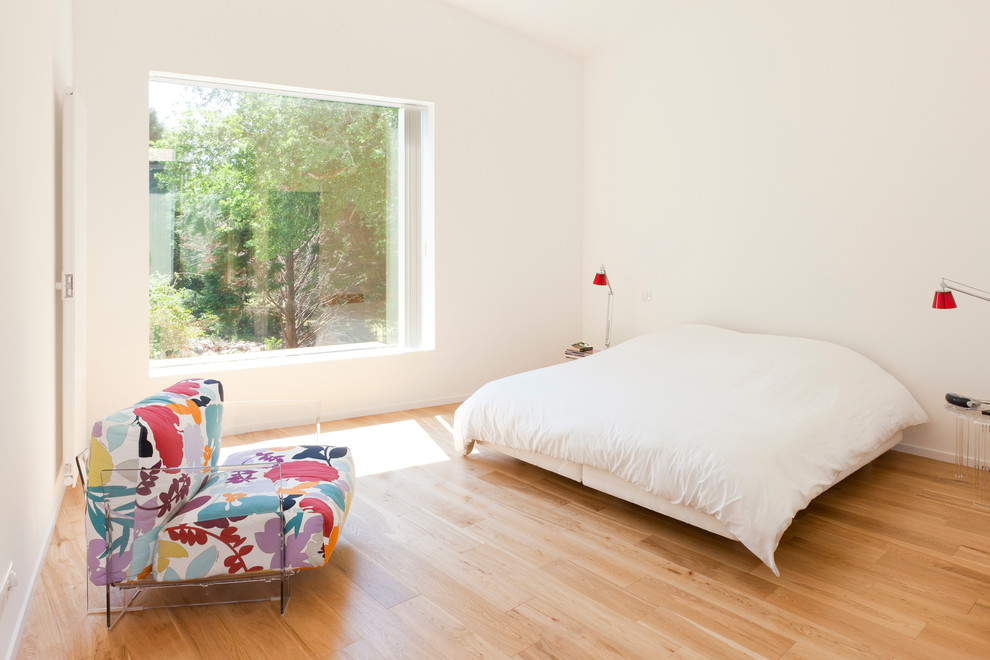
{"points": [[578, 350]]}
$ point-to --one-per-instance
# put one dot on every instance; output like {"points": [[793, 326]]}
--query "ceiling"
{"points": [[577, 26]]}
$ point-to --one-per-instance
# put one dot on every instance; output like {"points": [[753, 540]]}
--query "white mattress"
{"points": [[743, 429]]}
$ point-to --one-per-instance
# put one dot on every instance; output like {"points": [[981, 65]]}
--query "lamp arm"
{"points": [[608, 314], [608, 280], [965, 289]]}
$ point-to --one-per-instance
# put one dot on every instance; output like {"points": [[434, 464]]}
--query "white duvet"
{"points": [[747, 428]]}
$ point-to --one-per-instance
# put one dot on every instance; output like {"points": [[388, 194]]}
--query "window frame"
{"points": [[412, 283]]}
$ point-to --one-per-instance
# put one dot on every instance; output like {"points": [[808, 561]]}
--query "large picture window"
{"points": [[283, 222]]}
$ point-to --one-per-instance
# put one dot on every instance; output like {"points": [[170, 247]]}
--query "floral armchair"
{"points": [[161, 509]]}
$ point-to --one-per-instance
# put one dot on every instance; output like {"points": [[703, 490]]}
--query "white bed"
{"points": [[732, 432]]}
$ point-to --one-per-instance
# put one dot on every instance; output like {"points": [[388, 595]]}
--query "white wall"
{"points": [[802, 169], [508, 180], [33, 68]]}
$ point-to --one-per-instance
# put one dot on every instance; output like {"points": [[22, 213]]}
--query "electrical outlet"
{"points": [[68, 475], [646, 295]]}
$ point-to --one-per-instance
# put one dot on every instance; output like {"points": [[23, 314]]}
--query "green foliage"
{"points": [[173, 327], [155, 127], [218, 307], [282, 210]]}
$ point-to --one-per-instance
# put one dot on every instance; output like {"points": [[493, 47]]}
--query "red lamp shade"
{"points": [[944, 300], [602, 280]]}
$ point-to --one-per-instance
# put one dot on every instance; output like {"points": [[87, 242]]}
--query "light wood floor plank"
{"points": [[716, 621], [451, 637], [376, 579], [706, 565], [488, 557], [810, 635], [359, 650]]}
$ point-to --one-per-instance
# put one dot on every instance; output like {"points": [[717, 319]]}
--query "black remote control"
{"points": [[958, 400]]}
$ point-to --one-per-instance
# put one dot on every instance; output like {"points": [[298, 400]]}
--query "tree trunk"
{"points": [[289, 333]]}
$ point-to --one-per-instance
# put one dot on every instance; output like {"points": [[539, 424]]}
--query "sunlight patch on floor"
{"points": [[444, 423], [388, 447], [376, 449]]}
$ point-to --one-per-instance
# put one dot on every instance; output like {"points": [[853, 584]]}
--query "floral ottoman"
{"points": [[232, 525]]}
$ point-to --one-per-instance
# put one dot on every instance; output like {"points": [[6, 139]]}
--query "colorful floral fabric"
{"points": [[131, 452], [232, 525], [177, 515]]}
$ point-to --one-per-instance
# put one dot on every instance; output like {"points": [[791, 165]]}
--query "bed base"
{"points": [[605, 482]]}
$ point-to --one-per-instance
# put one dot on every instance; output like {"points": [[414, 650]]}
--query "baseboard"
{"points": [[282, 419], [15, 641], [937, 454], [381, 410]]}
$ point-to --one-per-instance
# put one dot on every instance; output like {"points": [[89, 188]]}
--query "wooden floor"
{"points": [[488, 557]]}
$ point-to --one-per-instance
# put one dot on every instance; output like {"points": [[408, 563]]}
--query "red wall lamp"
{"points": [[945, 300]]}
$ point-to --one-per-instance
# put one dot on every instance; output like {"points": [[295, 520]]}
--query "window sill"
{"points": [[267, 359]]}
